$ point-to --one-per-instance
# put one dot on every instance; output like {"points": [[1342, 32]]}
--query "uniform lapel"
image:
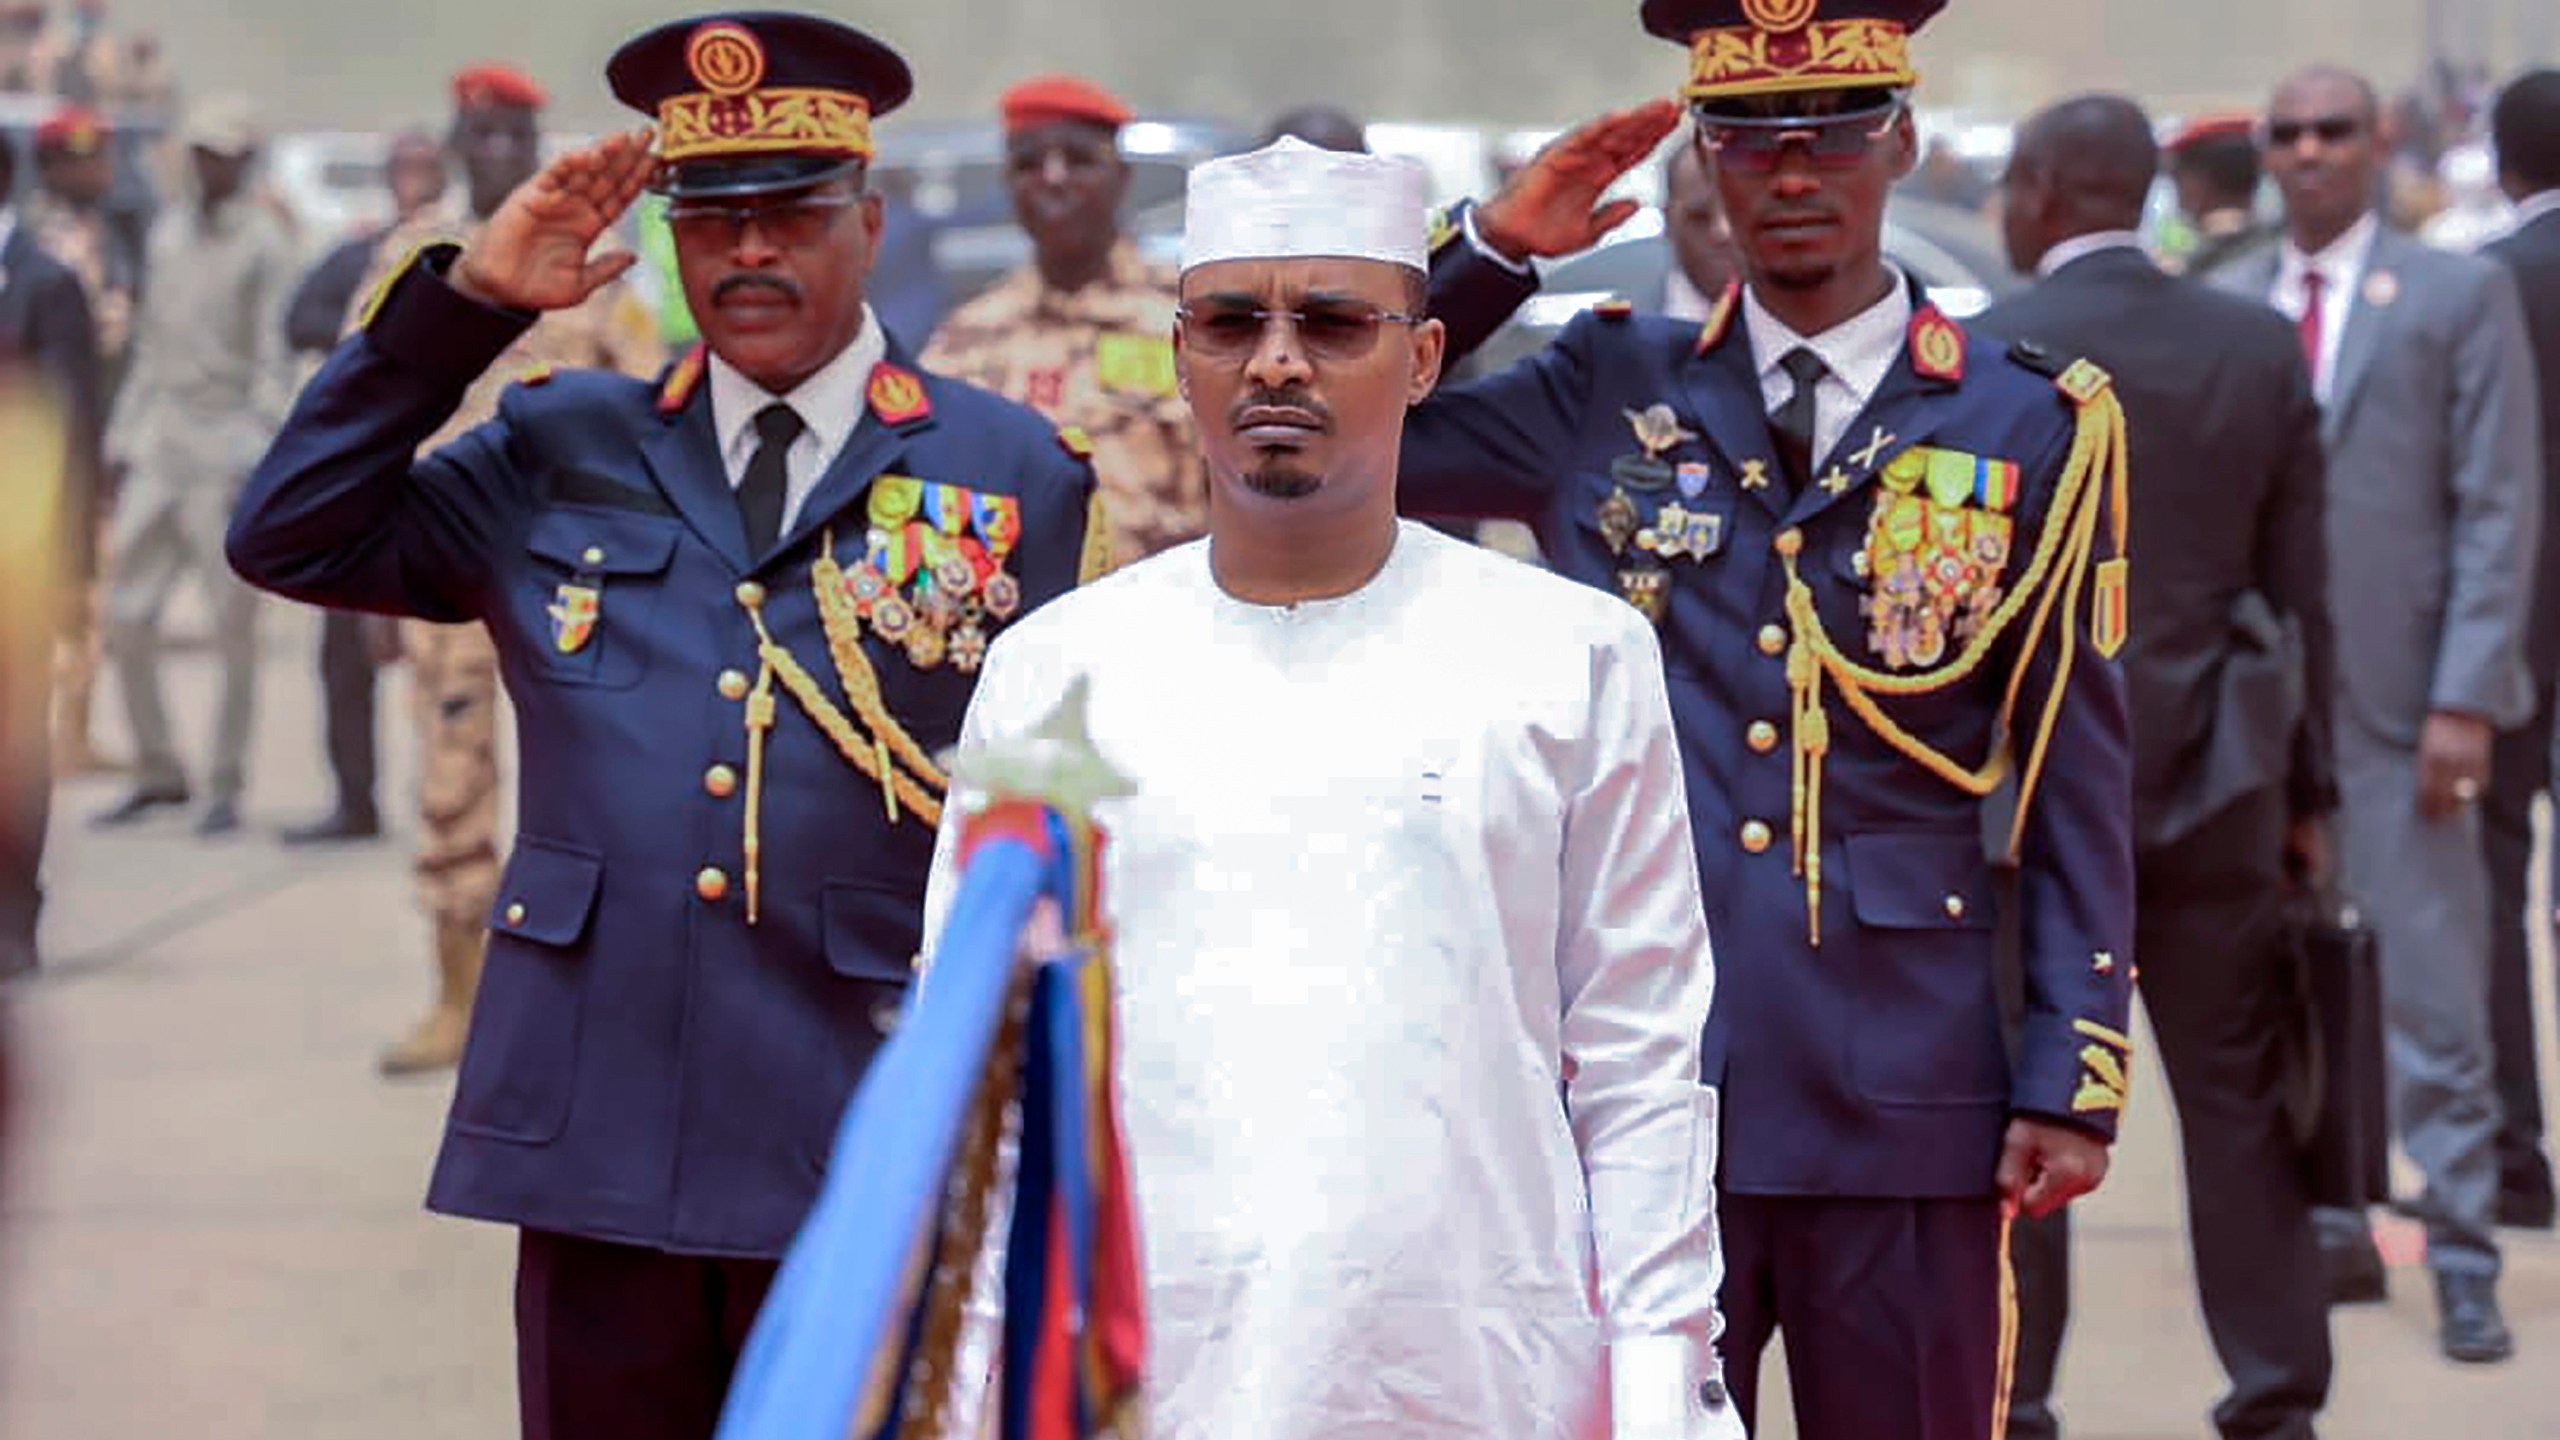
{"points": [[2363, 340], [684, 459], [897, 410], [1931, 363], [1724, 388]]}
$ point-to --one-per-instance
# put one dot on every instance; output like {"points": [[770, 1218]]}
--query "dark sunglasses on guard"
{"points": [[1327, 329], [1754, 144], [2331, 129]]}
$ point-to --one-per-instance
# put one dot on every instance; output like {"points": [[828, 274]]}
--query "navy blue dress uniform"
{"points": [[1892, 667], [730, 783]]}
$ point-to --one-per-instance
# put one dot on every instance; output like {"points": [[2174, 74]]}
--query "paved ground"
{"points": [[213, 1227]]}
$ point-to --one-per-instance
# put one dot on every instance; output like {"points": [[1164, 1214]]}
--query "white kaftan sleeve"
{"points": [[1636, 978]]}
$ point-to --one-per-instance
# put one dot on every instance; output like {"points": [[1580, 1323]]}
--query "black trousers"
{"points": [[1892, 1311], [618, 1342], [347, 690], [26, 773], [2217, 989], [2520, 768]]}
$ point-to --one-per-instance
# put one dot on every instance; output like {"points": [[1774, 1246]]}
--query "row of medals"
{"points": [[949, 615]]}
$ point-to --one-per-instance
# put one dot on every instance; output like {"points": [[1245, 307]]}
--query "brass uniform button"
{"points": [[1762, 737], [515, 913], [1955, 907], [733, 684], [1755, 837], [720, 782], [712, 883], [1773, 639], [594, 555], [750, 594], [1790, 542]]}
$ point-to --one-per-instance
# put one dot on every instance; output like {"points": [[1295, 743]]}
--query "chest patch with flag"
{"points": [[574, 609]]}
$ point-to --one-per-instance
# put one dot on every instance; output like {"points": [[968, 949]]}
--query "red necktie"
{"points": [[2314, 302]]}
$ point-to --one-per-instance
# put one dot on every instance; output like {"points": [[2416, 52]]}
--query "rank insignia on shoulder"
{"points": [[574, 611], [1937, 346], [1443, 229], [897, 395], [681, 380], [1719, 322], [1075, 442], [539, 374], [1615, 308], [1131, 364], [2084, 382]]}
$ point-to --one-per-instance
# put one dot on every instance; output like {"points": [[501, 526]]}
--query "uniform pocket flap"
{"points": [[872, 933], [1919, 881], [603, 542], [548, 892]]}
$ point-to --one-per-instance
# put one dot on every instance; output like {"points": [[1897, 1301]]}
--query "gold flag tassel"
{"points": [[2093, 479]]}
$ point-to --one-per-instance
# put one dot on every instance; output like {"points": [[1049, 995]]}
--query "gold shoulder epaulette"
{"points": [[1616, 307], [1096, 561], [1074, 441]]}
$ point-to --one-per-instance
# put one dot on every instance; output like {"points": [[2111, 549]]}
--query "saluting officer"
{"points": [[1887, 565], [738, 614]]}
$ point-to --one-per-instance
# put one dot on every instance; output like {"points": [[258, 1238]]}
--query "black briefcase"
{"points": [[2337, 1092]]}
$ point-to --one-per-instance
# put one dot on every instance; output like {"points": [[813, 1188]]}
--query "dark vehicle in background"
{"points": [[954, 177], [1955, 253]]}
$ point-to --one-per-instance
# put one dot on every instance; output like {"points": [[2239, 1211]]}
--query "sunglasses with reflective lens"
{"points": [[788, 224], [2332, 130], [1328, 329], [1755, 145]]}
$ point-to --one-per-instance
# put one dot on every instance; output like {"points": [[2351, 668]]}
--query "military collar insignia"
{"points": [[1617, 307], [1937, 346], [1719, 321], [897, 395], [682, 379]]}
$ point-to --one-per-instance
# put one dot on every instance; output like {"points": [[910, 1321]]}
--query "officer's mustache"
{"points": [[737, 284]]}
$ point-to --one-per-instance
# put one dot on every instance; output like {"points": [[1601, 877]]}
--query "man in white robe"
{"points": [[1412, 957]]}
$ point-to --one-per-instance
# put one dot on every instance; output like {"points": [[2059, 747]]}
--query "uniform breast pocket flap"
{"points": [[872, 932], [547, 894], [1919, 881], [595, 577]]}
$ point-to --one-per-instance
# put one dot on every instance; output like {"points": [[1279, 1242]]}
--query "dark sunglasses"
{"points": [[1755, 145], [789, 224], [2332, 130], [1328, 329]]}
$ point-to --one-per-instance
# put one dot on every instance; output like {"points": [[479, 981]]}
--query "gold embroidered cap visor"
{"points": [[755, 101], [1742, 48]]}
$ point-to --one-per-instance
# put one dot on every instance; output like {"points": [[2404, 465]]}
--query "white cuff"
{"points": [[1651, 1382], [1475, 242]]}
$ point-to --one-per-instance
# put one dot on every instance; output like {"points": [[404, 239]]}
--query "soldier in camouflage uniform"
{"points": [[453, 678], [1083, 334], [74, 169]]}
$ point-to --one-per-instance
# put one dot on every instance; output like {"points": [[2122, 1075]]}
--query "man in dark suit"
{"points": [[49, 358], [739, 612], [2231, 762], [2525, 124]]}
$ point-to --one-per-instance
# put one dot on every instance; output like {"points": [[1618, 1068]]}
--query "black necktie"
{"points": [[762, 494], [1793, 424]]}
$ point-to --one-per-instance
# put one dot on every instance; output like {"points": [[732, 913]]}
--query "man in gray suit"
{"points": [[2425, 381]]}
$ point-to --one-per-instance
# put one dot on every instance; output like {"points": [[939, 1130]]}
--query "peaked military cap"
{"points": [[1744, 48], [758, 100]]}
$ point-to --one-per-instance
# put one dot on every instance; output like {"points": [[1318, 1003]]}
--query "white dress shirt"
{"points": [[1858, 353], [2081, 247], [1412, 971], [830, 404], [2341, 266], [2533, 207]]}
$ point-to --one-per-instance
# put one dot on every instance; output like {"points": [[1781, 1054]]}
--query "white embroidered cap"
{"points": [[1291, 200]]}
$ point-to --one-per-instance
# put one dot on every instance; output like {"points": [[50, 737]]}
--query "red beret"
{"points": [[498, 85], [2228, 125], [1050, 99], [71, 130]]}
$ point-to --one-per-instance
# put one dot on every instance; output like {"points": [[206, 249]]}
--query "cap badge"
{"points": [[1779, 16], [726, 58]]}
